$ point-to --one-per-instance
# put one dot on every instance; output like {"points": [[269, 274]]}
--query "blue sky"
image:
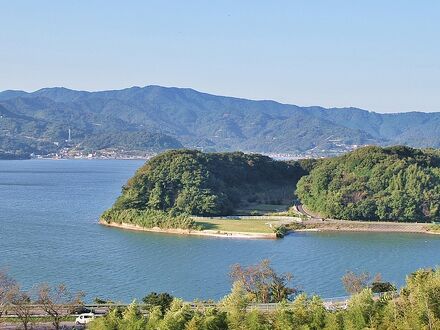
{"points": [[383, 56]]}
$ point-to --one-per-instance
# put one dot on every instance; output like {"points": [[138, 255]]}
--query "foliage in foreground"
{"points": [[262, 283], [416, 307], [355, 283], [163, 300], [373, 183], [56, 302]]}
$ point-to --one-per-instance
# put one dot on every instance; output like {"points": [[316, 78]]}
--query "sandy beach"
{"points": [[211, 233]]}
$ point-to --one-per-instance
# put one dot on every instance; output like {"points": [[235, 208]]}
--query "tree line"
{"points": [[373, 183], [415, 306]]}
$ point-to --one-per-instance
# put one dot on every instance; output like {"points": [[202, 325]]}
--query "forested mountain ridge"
{"points": [[157, 118]]}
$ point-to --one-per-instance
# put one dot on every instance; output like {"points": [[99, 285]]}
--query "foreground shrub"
{"points": [[416, 307]]}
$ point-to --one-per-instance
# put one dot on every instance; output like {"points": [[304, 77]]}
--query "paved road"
{"points": [[329, 303], [301, 210], [39, 326]]}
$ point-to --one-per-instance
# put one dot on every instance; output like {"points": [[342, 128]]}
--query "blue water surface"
{"points": [[49, 233]]}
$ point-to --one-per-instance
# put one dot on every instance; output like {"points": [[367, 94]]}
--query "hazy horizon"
{"points": [[338, 54]]}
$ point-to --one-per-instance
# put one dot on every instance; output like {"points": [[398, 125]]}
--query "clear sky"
{"points": [[378, 55]]}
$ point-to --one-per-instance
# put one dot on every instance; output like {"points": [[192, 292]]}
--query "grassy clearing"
{"points": [[238, 225], [435, 228], [261, 209]]}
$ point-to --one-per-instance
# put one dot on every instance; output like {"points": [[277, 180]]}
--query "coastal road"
{"points": [[40, 326], [363, 226], [331, 304], [301, 210]]}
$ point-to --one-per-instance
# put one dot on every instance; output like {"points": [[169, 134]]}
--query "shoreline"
{"points": [[310, 226], [317, 223], [366, 226], [176, 231]]}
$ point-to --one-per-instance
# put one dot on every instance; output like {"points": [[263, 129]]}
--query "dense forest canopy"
{"points": [[139, 140], [188, 182], [372, 183]]}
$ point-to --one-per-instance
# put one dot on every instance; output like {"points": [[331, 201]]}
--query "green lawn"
{"points": [[435, 228], [261, 209], [239, 225]]}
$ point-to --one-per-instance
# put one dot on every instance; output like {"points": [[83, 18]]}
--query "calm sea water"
{"points": [[49, 233]]}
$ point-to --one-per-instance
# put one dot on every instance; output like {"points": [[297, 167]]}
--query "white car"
{"points": [[84, 318]]}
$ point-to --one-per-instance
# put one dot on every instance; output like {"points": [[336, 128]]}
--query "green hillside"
{"points": [[133, 119], [373, 183], [179, 183]]}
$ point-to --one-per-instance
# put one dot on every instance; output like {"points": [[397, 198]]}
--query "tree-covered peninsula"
{"points": [[176, 184], [372, 183]]}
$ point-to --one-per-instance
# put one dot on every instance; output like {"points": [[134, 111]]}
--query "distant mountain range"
{"points": [[155, 118]]}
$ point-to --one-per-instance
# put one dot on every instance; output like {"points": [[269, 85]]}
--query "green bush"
{"points": [[148, 218], [162, 300], [280, 231]]}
